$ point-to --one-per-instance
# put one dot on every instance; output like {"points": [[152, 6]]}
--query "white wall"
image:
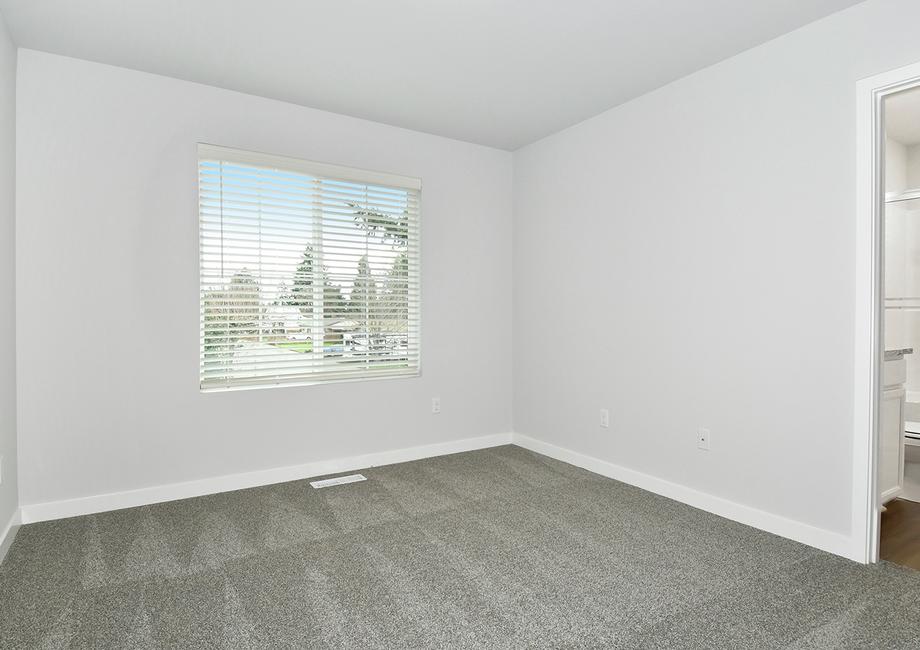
{"points": [[910, 212], [897, 332], [107, 281], [8, 491], [687, 259]]}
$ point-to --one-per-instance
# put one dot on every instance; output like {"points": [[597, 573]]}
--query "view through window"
{"points": [[309, 272]]}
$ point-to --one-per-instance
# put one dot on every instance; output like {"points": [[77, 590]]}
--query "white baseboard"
{"points": [[115, 501], [795, 530], [8, 534], [805, 533]]}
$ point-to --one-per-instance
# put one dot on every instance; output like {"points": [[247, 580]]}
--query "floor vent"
{"points": [[339, 480]]}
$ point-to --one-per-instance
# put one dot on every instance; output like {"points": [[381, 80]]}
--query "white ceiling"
{"points": [[902, 117], [497, 72]]}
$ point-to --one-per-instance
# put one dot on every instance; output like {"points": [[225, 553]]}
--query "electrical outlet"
{"points": [[1, 469], [435, 404], [605, 418], [703, 437]]}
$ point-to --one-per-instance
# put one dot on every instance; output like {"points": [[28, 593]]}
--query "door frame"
{"points": [[869, 313]]}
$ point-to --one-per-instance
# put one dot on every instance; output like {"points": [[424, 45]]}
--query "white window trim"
{"points": [[337, 172]]}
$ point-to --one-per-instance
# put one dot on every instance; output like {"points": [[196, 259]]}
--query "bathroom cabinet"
{"points": [[891, 429]]}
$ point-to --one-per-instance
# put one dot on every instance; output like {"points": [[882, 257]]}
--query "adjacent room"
{"points": [[899, 449], [482, 324]]}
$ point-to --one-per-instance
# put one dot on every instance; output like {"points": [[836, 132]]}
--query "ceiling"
{"points": [[496, 72], [902, 117]]}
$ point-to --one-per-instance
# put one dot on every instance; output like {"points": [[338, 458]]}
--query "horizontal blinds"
{"points": [[309, 272]]}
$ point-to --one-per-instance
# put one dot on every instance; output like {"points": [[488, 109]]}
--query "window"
{"points": [[309, 272]]}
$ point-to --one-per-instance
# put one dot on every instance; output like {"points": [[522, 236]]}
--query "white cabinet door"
{"points": [[891, 444]]}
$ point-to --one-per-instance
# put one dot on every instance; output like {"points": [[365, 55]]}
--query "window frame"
{"points": [[321, 171]]}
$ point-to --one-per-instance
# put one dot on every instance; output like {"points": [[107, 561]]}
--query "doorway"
{"points": [[898, 445], [886, 522]]}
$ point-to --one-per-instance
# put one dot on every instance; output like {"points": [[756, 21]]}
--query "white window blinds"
{"points": [[309, 272]]}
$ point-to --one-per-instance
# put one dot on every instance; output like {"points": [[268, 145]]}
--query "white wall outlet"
{"points": [[605, 418], [435, 404], [703, 438]]}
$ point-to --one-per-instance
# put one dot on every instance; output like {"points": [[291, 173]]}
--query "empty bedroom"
{"points": [[482, 324]]}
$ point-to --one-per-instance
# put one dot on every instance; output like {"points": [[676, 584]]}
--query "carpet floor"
{"points": [[500, 548]]}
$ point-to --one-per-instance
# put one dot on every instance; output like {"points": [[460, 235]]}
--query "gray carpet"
{"points": [[499, 548]]}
